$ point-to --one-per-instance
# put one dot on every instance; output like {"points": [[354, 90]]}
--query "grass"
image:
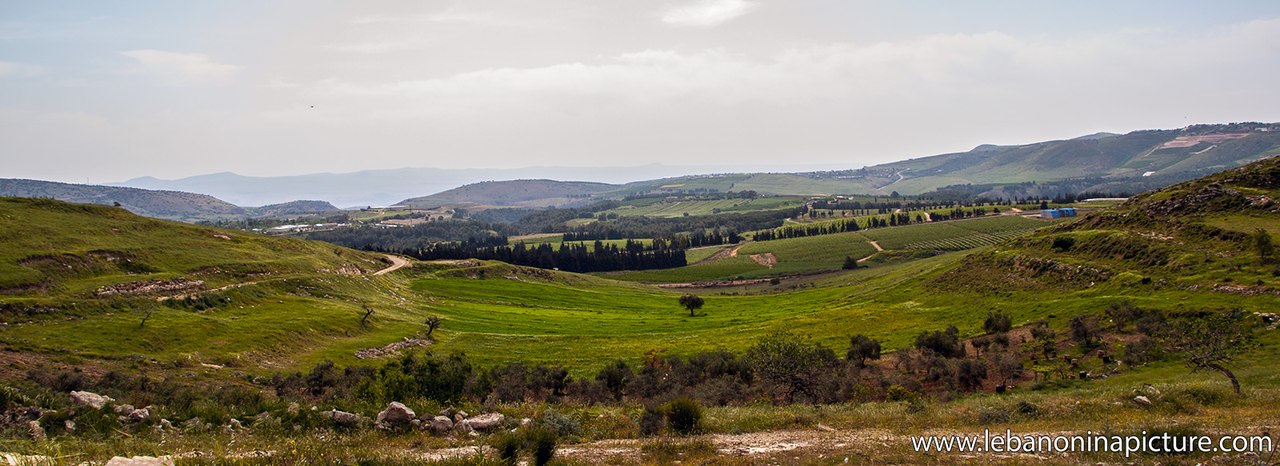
{"points": [[668, 208]]}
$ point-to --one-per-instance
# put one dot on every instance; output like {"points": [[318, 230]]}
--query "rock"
{"points": [[486, 421], [293, 409], [1150, 391], [141, 461], [524, 421], [440, 425], [90, 399], [343, 418], [166, 424], [396, 416], [195, 424], [1142, 400], [448, 412], [124, 409], [235, 424], [139, 415], [37, 432], [69, 425]]}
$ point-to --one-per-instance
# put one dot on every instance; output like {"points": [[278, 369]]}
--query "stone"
{"points": [[141, 461], [1142, 400], [124, 409], [440, 425], [486, 421], [139, 415], [90, 399], [396, 416], [37, 432], [343, 418], [69, 425]]}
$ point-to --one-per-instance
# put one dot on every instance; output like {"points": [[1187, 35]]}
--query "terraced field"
{"points": [[655, 207]]}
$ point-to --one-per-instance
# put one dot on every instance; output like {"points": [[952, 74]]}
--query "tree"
{"points": [[946, 344], [691, 302], [432, 323], [368, 311], [1262, 242], [1212, 340], [1084, 329], [997, 322], [862, 348], [849, 263], [791, 363]]}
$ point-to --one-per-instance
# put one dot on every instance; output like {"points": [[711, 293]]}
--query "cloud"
{"points": [[180, 68], [15, 69], [707, 13]]}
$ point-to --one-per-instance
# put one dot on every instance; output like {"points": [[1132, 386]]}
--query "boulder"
{"points": [[343, 418], [440, 425], [396, 416], [141, 461], [124, 409], [486, 421], [459, 416], [1142, 400], [90, 399]]}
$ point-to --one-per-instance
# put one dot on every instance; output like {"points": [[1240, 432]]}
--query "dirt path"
{"points": [[878, 250], [397, 263], [767, 259], [728, 252]]}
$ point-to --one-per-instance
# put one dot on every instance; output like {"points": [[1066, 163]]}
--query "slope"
{"points": [[525, 193], [172, 205]]}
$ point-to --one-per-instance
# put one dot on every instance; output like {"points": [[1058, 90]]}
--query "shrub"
{"points": [[997, 322], [683, 415], [899, 393], [946, 344], [651, 421], [1063, 243], [1026, 408], [993, 415], [508, 446], [543, 443], [563, 426]]}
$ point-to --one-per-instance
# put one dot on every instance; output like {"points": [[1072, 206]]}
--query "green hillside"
{"points": [[523, 193]]}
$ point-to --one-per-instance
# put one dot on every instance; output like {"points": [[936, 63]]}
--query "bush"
{"points": [[563, 426], [898, 393], [993, 415], [946, 344], [997, 322], [543, 443], [1063, 243], [508, 446], [651, 421], [683, 415], [1026, 408]]}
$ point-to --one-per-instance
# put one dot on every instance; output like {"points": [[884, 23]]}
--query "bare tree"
{"points": [[432, 323], [368, 311]]}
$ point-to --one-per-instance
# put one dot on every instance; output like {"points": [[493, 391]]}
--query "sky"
{"points": [[106, 91]]}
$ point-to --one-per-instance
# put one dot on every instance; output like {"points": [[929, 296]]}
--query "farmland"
{"points": [[677, 207]]}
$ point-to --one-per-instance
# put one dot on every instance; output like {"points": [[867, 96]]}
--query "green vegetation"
{"points": [[252, 318]]}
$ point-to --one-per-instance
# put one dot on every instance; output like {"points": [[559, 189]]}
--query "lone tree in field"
{"points": [[691, 302], [1266, 249], [1212, 340], [368, 311], [432, 323]]}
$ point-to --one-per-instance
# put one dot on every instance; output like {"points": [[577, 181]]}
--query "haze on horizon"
{"points": [[109, 91]]}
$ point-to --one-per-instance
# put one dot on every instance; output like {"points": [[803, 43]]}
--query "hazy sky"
{"points": [[112, 90]]}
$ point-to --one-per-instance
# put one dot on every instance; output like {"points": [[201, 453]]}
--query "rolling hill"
{"points": [[522, 193], [172, 205]]}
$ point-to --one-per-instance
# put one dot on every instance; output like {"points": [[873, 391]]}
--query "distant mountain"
{"points": [[292, 208], [385, 187], [1181, 153], [521, 193], [172, 205]]}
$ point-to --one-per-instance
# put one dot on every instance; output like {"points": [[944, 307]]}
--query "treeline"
{"points": [[695, 239], [654, 227], [379, 238], [633, 255]]}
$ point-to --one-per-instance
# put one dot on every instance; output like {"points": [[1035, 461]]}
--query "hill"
{"points": [[523, 193], [292, 208], [1189, 152], [1196, 235], [172, 205]]}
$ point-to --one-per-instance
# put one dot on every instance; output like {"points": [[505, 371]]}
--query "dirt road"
{"points": [[397, 263]]}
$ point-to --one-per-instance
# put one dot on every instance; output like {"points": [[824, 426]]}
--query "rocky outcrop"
{"points": [[344, 419], [484, 422]]}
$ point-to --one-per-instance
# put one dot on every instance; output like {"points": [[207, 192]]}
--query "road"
{"points": [[397, 263]]}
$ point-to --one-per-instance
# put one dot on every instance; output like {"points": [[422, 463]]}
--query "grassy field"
{"points": [[659, 207], [826, 253]]}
